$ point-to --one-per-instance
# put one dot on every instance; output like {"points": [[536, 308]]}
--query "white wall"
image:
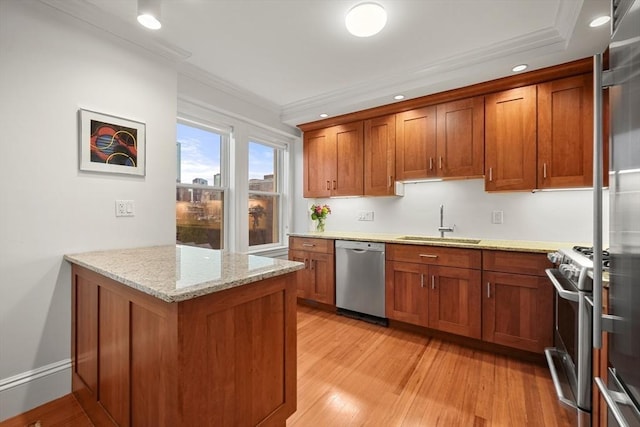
{"points": [[557, 216], [50, 66]]}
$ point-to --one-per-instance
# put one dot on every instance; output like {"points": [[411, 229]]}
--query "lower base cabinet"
{"points": [[517, 309], [508, 302], [317, 280]]}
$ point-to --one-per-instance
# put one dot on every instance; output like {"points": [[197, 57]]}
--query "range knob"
{"points": [[555, 257], [569, 271]]}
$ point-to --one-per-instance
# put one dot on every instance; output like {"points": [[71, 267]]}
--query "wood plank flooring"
{"points": [[351, 373]]}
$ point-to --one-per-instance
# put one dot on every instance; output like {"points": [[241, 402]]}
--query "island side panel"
{"points": [[239, 350], [124, 352]]}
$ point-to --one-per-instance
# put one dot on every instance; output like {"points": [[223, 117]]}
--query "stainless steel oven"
{"points": [[569, 360]]}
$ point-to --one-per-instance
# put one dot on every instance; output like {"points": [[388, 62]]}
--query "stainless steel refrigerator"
{"points": [[622, 387]]}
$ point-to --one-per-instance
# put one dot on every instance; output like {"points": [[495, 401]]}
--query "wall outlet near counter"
{"points": [[365, 216], [497, 217]]}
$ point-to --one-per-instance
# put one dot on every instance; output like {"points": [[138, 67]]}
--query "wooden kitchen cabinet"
{"points": [[333, 161], [316, 281], [422, 288], [416, 143], [460, 138], [446, 140], [380, 156], [565, 132], [510, 139], [517, 309]]}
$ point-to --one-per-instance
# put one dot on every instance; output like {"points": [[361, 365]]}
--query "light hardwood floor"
{"points": [[351, 373]]}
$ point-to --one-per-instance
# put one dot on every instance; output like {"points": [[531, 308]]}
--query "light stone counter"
{"points": [[178, 273], [451, 241]]}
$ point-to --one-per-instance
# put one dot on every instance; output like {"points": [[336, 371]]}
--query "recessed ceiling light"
{"points": [[398, 97], [323, 115], [519, 68], [600, 20], [366, 19]]}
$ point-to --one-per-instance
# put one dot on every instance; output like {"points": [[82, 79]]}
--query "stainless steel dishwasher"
{"points": [[360, 280]]}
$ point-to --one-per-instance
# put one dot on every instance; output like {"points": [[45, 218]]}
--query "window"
{"points": [[265, 184], [200, 185]]}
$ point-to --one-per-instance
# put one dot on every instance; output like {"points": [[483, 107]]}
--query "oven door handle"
{"points": [[562, 292], [550, 353]]}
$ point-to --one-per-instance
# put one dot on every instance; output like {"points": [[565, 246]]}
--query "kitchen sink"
{"points": [[439, 239]]}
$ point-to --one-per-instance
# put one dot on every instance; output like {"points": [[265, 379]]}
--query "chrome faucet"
{"points": [[442, 229]]}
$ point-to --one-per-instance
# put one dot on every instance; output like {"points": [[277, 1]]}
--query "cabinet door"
{"points": [[454, 300], [406, 292], [348, 179], [319, 152], [460, 144], [416, 143], [510, 140], [303, 284], [518, 311], [380, 156], [565, 133], [322, 274]]}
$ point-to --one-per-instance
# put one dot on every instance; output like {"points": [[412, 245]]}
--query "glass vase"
{"points": [[320, 225]]}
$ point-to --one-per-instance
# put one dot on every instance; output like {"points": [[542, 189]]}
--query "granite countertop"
{"points": [[176, 273], [451, 241]]}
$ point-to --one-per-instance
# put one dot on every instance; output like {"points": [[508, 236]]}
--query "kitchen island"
{"points": [[183, 336]]}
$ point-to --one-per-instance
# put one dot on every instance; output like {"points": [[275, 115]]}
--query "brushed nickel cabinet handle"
{"points": [[490, 174], [428, 256], [422, 280], [488, 289], [440, 162], [306, 261], [334, 184], [328, 185], [308, 245], [389, 181], [430, 163], [433, 281], [544, 170]]}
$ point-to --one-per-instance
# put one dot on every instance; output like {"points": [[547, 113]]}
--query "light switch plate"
{"points": [[365, 216], [125, 208], [497, 217]]}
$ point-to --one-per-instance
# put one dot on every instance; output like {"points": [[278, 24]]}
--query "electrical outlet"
{"points": [[497, 217], [125, 208], [365, 216]]}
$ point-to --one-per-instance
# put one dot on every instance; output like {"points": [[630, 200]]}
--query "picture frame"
{"points": [[111, 144]]}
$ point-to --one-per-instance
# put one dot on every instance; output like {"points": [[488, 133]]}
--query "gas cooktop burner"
{"points": [[588, 252]]}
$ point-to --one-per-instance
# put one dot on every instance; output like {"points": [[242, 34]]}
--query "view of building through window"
{"points": [[199, 187], [264, 194]]}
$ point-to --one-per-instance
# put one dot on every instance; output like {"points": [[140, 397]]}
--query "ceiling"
{"points": [[295, 56]]}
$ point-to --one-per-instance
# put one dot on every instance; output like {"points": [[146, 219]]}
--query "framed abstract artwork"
{"points": [[111, 144]]}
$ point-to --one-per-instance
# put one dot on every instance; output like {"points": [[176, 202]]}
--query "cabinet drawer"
{"points": [[435, 255], [515, 262], [311, 245]]}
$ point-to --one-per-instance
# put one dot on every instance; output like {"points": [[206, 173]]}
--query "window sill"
{"points": [[273, 252]]}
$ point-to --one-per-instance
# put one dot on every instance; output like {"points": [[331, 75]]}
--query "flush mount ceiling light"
{"points": [[599, 21], [366, 19], [149, 14], [519, 68], [323, 115], [398, 97]]}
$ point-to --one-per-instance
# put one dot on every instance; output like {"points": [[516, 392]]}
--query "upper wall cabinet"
{"points": [[444, 141], [460, 139], [565, 133], [510, 139], [333, 161], [540, 136], [380, 156]]}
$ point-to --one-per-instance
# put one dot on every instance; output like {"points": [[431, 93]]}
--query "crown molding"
{"points": [[439, 75], [115, 26], [198, 74]]}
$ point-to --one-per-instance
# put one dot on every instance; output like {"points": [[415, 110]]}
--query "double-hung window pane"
{"points": [[264, 193], [200, 186]]}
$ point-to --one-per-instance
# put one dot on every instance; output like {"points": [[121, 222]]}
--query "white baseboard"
{"points": [[23, 392]]}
